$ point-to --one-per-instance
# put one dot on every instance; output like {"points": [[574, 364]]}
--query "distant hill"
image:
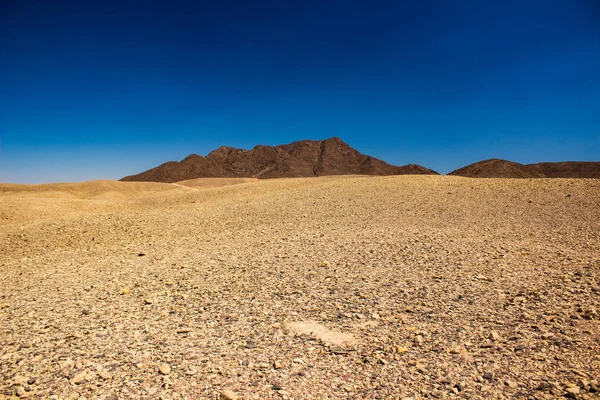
{"points": [[497, 168], [299, 159]]}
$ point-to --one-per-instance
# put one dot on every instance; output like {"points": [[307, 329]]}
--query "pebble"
{"points": [[102, 373], [228, 395], [164, 369], [79, 378], [401, 349], [547, 335]]}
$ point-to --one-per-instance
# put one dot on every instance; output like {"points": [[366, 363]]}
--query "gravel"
{"points": [[402, 287]]}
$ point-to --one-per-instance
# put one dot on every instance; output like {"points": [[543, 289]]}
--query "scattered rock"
{"points": [[164, 369], [401, 349], [572, 392], [78, 378], [511, 384], [229, 395], [547, 335]]}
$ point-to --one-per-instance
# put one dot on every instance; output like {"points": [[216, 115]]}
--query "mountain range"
{"points": [[497, 168], [333, 156], [299, 159]]}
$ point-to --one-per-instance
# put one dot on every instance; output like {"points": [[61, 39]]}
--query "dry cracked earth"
{"points": [[405, 287]]}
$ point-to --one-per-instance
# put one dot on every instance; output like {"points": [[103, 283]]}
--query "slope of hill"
{"points": [[299, 159], [568, 169], [497, 168], [100, 189]]}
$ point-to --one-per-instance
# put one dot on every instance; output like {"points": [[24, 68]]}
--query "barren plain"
{"points": [[399, 287]]}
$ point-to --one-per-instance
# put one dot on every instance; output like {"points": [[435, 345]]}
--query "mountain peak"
{"points": [[306, 158]]}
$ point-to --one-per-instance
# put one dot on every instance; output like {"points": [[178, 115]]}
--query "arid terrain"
{"points": [[354, 287]]}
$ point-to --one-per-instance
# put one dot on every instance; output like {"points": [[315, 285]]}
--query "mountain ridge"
{"points": [[298, 159], [499, 168]]}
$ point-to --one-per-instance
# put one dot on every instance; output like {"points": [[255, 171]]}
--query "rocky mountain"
{"points": [[299, 159], [497, 168]]}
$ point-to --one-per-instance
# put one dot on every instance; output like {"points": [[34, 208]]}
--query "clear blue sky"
{"points": [[103, 89]]}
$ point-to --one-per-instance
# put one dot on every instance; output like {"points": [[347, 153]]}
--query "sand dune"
{"points": [[335, 287]]}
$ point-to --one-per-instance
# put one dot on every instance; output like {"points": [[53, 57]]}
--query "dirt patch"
{"points": [[321, 332]]}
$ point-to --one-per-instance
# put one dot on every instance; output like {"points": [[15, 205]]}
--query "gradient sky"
{"points": [[103, 89]]}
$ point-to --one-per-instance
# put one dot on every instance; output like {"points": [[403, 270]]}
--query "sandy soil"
{"points": [[402, 287], [203, 183]]}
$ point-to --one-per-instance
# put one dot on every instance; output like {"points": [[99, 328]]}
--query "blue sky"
{"points": [[104, 89]]}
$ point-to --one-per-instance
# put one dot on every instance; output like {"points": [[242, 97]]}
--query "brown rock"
{"points": [[164, 369], [305, 158]]}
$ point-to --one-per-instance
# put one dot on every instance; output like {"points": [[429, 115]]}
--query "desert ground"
{"points": [[399, 287]]}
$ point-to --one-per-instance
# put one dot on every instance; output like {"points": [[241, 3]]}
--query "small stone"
{"points": [[149, 300], [510, 384], [547, 335], [495, 336], [164, 369], [126, 290], [79, 378], [21, 391], [104, 374], [277, 364], [543, 386], [590, 313], [324, 263], [31, 380], [228, 395], [263, 366], [21, 380], [572, 392], [401, 349]]}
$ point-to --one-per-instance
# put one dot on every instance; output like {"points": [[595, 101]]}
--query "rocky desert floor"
{"points": [[403, 287]]}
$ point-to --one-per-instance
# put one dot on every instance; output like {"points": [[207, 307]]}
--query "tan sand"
{"points": [[448, 287]]}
